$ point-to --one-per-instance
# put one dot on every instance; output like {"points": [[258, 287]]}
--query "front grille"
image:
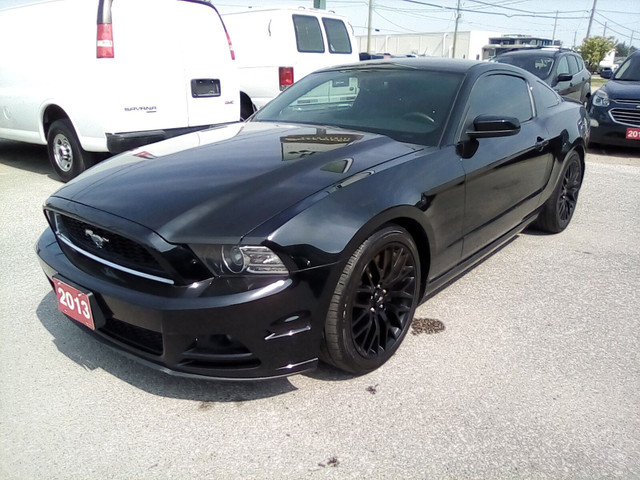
{"points": [[626, 116], [108, 248], [138, 337], [626, 101], [108, 245]]}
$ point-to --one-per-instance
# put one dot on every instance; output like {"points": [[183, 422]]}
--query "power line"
{"points": [[483, 12]]}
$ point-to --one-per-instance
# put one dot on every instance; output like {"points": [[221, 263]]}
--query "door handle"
{"points": [[541, 143]]}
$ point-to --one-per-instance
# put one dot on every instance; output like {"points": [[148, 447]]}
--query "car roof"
{"points": [[428, 63]]}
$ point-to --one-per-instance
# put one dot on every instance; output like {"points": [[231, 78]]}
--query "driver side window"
{"points": [[499, 94]]}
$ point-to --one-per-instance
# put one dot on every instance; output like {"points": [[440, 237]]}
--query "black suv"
{"points": [[615, 108], [563, 69]]}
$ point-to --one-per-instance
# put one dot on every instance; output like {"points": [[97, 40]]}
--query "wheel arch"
{"points": [[581, 150], [246, 105], [50, 114], [410, 219]]}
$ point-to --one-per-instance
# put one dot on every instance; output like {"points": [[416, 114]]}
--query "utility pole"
{"points": [[555, 24], [369, 27], [455, 32], [593, 10], [320, 4], [604, 33]]}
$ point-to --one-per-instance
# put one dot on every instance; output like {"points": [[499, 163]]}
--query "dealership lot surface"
{"points": [[536, 373]]}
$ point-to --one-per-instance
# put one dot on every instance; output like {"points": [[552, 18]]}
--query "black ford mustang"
{"points": [[313, 230]]}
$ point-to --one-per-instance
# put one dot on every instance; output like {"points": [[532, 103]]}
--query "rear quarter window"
{"points": [[545, 97], [308, 34], [337, 35]]}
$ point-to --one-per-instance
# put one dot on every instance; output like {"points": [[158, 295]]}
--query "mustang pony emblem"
{"points": [[97, 240]]}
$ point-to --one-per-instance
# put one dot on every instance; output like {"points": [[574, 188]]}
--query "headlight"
{"points": [[224, 260], [601, 99]]}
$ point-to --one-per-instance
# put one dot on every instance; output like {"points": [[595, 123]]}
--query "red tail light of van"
{"points": [[233, 54], [104, 41], [286, 77]]}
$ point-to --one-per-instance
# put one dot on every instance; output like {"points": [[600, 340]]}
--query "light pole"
{"points": [[369, 27], [455, 32]]}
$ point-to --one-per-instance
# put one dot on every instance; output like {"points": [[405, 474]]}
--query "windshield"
{"points": [[539, 65], [629, 70], [408, 105]]}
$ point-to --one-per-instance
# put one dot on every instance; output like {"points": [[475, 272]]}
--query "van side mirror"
{"points": [[488, 126]]}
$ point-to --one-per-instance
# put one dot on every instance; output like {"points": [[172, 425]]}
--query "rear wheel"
{"points": [[67, 157], [558, 209], [373, 303]]}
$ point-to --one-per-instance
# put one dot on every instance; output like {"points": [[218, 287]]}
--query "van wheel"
{"points": [[67, 157]]}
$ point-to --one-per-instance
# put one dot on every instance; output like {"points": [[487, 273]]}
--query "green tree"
{"points": [[623, 51], [594, 49]]}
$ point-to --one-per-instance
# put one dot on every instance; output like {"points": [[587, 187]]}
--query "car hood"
{"points": [[622, 90], [225, 181]]}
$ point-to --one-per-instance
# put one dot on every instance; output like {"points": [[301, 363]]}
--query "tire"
{"points": [[558, 210], [373, 303], [247, 108], [67, 157]]}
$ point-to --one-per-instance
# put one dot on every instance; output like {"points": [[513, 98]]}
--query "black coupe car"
{"points": [[615, 107], [313, 230]]}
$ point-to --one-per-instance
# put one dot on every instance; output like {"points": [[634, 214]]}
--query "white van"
{"points": [[86, 76], [275, 47]]}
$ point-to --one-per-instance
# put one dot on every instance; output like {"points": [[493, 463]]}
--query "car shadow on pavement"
{"points": [[92, 355], [25, 156]]}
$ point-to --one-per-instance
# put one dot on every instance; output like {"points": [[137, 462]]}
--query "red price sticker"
{"points": [[633, 134], [74, 303]]}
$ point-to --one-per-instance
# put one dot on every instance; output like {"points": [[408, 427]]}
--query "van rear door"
{"points": [[211, 80], [164, 53]]}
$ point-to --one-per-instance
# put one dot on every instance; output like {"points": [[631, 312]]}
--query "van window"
{"points": [[337, 35], [308, 34]]}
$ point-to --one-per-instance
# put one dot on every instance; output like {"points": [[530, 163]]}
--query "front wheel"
{"points": [[558, 209], [373, 302], [67, 157]]}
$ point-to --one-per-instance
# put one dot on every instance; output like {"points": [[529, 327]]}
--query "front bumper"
{"points": [[606, 131], [121, 142], [265, 333]]}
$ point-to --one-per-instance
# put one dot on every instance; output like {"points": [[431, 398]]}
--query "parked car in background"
{"points": [[615, 107], [90, 76], [563, 69], [606, 72], [313, 230], [278, 46]]}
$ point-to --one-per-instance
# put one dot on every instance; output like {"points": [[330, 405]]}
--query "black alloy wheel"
{"points": [[374, 302], [559, 208], [568, 198]]}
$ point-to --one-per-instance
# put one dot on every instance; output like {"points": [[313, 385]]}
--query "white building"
{"points": [[468, 44]]}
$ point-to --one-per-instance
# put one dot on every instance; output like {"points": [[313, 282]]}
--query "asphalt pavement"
{"points": [[526, 367]]}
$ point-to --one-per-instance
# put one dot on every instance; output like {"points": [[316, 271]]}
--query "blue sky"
{"points": [[532, 17]]}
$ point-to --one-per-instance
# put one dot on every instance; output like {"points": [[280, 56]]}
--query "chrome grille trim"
{"points": [[70, 244], [625, 116], [627, 101]]}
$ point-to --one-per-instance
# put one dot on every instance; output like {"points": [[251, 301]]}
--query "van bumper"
{"points": [[121, 142]]}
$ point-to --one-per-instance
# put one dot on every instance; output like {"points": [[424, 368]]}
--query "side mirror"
{"points": [[565, 77], [488, 126]]}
